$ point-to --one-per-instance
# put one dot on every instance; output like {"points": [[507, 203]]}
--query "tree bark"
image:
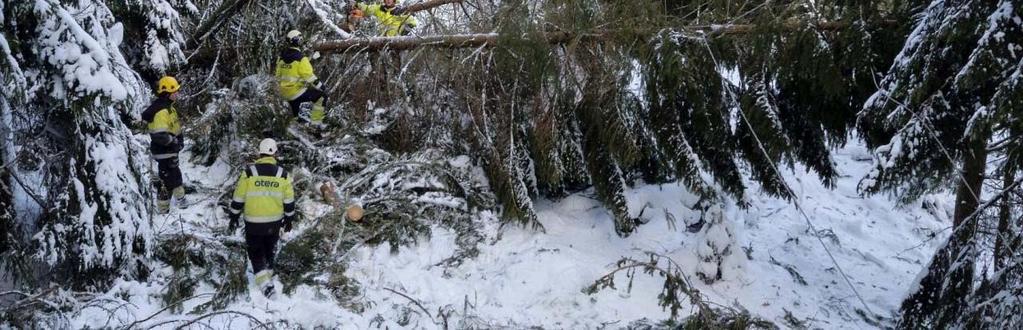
{"points": [[1004, 235], [424, 5], [371, 44], [943, 291], [968, 192]]}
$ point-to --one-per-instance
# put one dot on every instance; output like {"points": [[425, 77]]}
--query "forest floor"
{"points": [[777, 270]]}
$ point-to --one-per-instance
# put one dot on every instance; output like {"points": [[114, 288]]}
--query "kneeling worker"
{"points": [[267, 199]]}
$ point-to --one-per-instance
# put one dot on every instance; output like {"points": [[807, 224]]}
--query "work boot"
{"points": [[179, 197], [264, 281], [263, 277], [163, 206], [304, 110], [317, 113]]}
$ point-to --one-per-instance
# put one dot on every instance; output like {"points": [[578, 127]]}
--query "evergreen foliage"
{"points": [[72, 82], [944, 110], [635, 91]]}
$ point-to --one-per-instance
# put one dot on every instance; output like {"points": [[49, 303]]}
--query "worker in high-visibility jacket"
{"points": [[266, 198], [393, 21], [165, 143], [297, 82]]}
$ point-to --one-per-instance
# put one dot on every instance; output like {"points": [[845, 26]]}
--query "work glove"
{"points": [[287, 224], [232, 223], [315, 83]]}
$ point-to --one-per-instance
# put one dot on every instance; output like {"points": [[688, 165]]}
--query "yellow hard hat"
{"points": [[168, 84]]}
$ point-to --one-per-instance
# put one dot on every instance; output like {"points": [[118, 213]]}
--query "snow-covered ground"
{"points": [[778, 270]]}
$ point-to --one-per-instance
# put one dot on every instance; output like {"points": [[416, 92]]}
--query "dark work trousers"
{"points": [[261, 243], [170, 176], [311, 95]]}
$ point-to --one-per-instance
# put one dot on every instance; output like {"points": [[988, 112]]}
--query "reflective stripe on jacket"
{"points": [[164, 128], [264, 192], [294, 73]]}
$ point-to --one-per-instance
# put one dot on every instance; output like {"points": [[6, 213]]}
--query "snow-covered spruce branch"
{"points": [[676, 286], [50, 307], [221, 16]]}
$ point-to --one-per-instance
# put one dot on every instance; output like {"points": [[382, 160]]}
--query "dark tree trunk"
{"points": [[942, 293], [1004, 236], [968, 192]]}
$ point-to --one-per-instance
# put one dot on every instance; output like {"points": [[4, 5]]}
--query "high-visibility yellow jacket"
{"points": [[294, 73], [264, 192], [393, 25], [164, 128]]}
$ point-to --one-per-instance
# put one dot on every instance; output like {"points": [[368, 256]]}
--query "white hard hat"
{"points": [[294, 34], [267, 147]]}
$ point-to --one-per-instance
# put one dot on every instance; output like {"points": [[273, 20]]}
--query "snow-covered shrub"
{"points": [[716, 244]]}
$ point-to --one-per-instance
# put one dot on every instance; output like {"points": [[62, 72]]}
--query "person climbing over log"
{"points": [[298, 84], [393, 21]]}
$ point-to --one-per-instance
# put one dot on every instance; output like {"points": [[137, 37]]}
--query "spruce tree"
{"points": [[952, 91], [74, 85]]}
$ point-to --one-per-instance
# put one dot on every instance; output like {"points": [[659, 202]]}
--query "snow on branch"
{"points": [[558, 37]]}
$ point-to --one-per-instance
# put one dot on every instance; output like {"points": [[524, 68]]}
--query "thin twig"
{"points": [[250, 317], [413, 300], [133, 324]]}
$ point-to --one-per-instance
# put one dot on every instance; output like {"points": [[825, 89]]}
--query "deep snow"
{"points": [[527, 278]]}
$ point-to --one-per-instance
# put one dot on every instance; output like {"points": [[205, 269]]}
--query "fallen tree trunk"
{"points": [[424, 5], [372, 44], [438, 41]]}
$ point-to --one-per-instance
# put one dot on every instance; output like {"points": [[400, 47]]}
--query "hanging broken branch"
{"points": [[223, 14]]}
